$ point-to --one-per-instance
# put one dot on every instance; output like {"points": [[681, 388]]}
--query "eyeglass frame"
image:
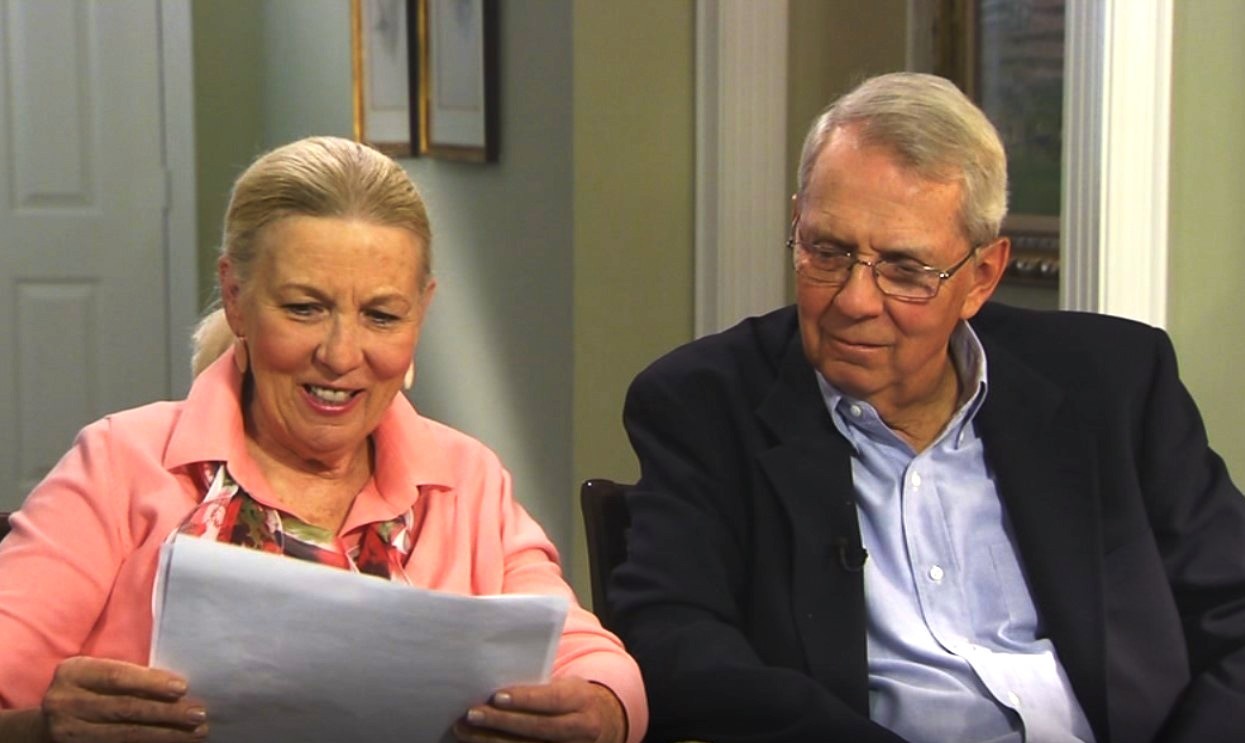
{"points": [[942, 274]]}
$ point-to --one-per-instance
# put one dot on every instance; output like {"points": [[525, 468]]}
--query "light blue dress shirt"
{"points": [[955, 645]]}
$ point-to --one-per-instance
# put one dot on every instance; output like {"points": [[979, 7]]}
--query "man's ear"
{"points": [[987, 271]]}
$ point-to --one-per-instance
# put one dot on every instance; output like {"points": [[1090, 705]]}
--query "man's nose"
{"points": [[859, 296]]}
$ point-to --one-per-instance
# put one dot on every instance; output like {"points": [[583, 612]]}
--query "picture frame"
{"points": [[1007, 56], [454, 79], [379, 31]]}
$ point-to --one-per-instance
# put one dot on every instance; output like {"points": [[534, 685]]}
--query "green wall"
{"points": [[832, 46], [634, 94], [1206, 305]]}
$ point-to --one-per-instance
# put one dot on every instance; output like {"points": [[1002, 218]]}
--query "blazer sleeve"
{"points": [[680, 597], [1198, 518]]}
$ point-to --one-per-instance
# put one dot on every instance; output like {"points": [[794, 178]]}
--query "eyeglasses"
{"points": [[901, 278]]}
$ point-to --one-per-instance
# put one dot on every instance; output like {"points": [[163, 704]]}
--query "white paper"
{"points": [[280, 649]]}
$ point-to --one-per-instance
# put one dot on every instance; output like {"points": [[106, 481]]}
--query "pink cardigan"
{"points": [[76, 573]]}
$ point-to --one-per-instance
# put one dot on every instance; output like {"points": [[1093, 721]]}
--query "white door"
{"points": [[83, 191]]}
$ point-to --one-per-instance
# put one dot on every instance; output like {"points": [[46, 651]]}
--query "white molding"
{"points": [[706, 171], [1117, 120], [1134, 265], [1082, 117], [181, 232], [741, 132]]}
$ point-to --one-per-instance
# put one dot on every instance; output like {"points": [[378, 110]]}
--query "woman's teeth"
{"points": [[336, 397]]}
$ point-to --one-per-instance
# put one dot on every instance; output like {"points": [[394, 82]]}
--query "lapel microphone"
{"points": [[851, 558]]}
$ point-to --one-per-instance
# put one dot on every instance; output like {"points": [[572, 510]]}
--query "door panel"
{"points": [[83, 303]]}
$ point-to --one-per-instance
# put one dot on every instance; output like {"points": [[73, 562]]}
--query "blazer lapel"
{"points": [[1044, 471], [810, 471]]}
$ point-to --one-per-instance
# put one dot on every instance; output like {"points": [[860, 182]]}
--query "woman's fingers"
{"points": [[571, 710], [117, 677], [107, 733], [105, 700]]}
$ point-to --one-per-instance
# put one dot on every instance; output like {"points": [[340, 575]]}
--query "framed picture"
{"points": [[382, 110], [1007, 55], [454, 79]]}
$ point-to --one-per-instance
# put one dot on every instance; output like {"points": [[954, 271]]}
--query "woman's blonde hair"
{"points": [[315, 177], [932, 128]]}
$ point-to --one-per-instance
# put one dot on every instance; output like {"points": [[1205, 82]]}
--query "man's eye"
{"points": [[830, 255], [906, 269], [908, 266]]}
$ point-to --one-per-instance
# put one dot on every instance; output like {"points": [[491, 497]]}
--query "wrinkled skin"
{"points": [[564, 710], [93, 699]]}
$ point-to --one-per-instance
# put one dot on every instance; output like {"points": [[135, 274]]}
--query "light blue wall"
{"points": [[495, 359], [306, 73]]}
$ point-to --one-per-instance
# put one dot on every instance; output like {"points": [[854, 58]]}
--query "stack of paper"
{"points": [[280, 649]]}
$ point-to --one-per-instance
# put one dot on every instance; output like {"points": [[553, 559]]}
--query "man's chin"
{"points": [[852, 379]]}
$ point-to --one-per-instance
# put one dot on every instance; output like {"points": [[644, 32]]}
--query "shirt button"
{"points": [[1013, 699], [916, 479], [935, 574], [856, 411]]}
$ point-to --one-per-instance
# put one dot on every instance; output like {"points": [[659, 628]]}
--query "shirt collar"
{"points": [[210, 429], [969, 359]]}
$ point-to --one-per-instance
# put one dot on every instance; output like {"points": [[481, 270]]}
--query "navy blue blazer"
{"points": [[748, 624]]}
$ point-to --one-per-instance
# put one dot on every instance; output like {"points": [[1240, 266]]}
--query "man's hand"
{"points": [[569, 709], [93, 699]]}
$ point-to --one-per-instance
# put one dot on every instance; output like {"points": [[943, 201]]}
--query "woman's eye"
{"points": [[382, 318], [303, 309]]}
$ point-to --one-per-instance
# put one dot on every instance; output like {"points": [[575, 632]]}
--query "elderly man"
{"points": [[896, 512]]}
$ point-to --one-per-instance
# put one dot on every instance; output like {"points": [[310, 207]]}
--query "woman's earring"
{"points": [[409, 380], [240, 358]]}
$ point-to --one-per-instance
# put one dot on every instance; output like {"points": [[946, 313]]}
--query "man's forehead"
{"points": [[889, 228]]}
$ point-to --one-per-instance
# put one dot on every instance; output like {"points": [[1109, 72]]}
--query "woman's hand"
{"points": [[92, 699], [569, 709]]}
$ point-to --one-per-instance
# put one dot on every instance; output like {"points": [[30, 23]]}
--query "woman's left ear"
{"points": [[425, 297], [230, 290]]}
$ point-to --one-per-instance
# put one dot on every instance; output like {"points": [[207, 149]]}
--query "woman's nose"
{"points": [[340, 350]]}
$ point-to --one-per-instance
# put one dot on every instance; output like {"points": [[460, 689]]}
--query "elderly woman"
{"points": [[295, 439]]}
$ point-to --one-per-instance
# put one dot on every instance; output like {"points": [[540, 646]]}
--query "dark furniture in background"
{"points": [[605, 522]]}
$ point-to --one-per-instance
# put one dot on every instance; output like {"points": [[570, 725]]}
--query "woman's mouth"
{"points": [[328, 395]]}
